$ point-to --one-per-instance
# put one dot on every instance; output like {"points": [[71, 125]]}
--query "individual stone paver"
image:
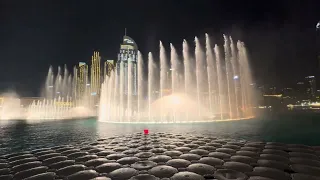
{"points": [[164, 156]]}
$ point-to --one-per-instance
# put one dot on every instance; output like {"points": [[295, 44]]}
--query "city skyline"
{"points": [[104, 65], [161, 89]]}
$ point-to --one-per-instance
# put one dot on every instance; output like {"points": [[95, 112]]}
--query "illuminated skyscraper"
{"points": [[311, 85], [95, 74], [108, 67], [128, 54], [82, 80]]}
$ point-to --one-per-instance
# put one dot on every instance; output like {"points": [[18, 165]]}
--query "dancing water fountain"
{"points": [[59, 85], [56, 108], [58, 99], [212, 84]]}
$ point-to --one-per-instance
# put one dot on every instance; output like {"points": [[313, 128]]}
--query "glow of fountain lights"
{"points": [[176, 100]]}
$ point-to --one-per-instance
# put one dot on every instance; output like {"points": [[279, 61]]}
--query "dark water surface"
{"points": [[18, 135]]}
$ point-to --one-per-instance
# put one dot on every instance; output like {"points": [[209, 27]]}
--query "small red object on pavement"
{"points": [[146, 131]]}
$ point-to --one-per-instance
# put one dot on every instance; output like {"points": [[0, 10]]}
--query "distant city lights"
{"points": [[310, 77]]}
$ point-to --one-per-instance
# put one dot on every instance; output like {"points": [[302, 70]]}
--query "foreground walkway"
{"points": [[165, 156]]}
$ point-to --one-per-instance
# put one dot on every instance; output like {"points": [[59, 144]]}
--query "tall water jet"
{"points": [[187, 70], [57, 83], [235, 76], [150, 82], [104, 103], [115, 96], [48, 89], [121, 93], [69, 85], [219, 77], [242, 78], [198, 55], [74, 85], [163, 73], [187, 67], [228, 73], [61, 84], [210, 65], [110, 93], [64, 88], [108, 107], [140, 83], [129, 94], [246, 78], [174, 70]]}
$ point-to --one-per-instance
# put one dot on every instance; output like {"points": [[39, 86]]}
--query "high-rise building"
{"points": [[109, 66], [82, 80], [311, 86], [128, 54], [95, 75]]}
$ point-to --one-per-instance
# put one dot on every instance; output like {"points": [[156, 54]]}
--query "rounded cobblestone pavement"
{"points": [[164, 156]]}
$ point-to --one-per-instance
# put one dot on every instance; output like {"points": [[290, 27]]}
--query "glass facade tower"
{"points": [[128, 54]]}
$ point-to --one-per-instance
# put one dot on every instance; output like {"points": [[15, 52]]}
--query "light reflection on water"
{"points": [[18, 135]]}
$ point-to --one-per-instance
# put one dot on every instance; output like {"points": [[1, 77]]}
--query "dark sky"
{"points": [[280, 35]]}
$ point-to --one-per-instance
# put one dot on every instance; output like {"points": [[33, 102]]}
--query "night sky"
{"points": [[280, 35]]}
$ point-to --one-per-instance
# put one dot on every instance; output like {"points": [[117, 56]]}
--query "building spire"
{"points": [[125, 31]]}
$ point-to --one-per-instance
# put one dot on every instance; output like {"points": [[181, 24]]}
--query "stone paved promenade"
{"points": [[165, 156]]}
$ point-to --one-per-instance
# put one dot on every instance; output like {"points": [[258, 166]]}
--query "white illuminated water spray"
{"points": [[208, 84]]}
